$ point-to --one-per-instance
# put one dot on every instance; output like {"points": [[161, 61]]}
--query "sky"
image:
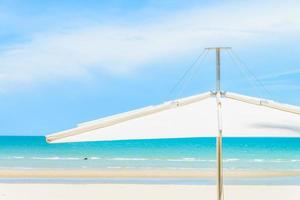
{"points": [[66, 62]]}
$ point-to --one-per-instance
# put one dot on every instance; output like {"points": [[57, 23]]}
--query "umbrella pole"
{"points": [[219, 167], [219, 149], [219, 115]]}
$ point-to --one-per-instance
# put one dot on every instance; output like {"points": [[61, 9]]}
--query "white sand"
{"points": [[142, 192], [139, 174]]}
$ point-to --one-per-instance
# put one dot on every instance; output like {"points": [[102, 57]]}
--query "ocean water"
{"points": [[182, 154]]}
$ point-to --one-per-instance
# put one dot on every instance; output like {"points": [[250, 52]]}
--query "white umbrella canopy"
{"points": [[194, 116], [211, 114]]}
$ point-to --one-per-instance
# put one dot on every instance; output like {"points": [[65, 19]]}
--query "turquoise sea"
{"points": [[182, 154]]}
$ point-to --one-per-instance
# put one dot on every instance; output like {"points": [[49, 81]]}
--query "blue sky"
{"points": [[65, 62]]}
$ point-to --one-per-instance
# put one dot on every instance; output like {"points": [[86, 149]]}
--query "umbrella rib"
{"points": [[264, 102]]}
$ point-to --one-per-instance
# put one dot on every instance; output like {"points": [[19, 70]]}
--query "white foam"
{"points": [[231, 160], [13, 157], [274, 160], [18, 157], [187, 160], [56, 158], [180, 168], [258, 160], [114, 167], [295, 160], [95, 158], [279, 161], [127, 159]]}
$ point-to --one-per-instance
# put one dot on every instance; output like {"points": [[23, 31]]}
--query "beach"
{"points": [[145, 192], [143, 184], [254, 168], [121, 173], [149, 100]]}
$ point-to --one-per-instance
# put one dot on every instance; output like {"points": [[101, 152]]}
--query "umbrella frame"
{"points": [[219, 160], [217, 94]]}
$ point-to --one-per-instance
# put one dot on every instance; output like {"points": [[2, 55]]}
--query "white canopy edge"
{"points": [[115, 119], [146, 111], [263, 102]]}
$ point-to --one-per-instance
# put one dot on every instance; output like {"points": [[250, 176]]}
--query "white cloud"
{"points": [[123, 48]]}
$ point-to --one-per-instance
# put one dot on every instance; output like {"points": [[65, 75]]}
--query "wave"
{"points": [[18, 157], [201, 160], [128, 159], [95, 158], [187, 160], [13, 157], [56, 158], [180, 168], [295, 160], [228, 160], [258, 160], [280, 161], [114, 167], [231, 160], [154, 168], [183, 160], [274, 160], [283, 161]]}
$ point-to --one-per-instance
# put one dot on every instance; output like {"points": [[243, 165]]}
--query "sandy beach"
{"points": [[140, 174], [145, 192], [116, 191]]}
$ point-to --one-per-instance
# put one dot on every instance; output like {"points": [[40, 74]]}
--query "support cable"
{"points": [[191, 77], [250, 72], [183, 79], [243, 73]]}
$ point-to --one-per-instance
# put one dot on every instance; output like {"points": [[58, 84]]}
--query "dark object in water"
{"points": [[85, 158]]}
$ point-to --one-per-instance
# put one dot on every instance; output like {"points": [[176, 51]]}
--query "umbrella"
{"points": [[210, 114]]}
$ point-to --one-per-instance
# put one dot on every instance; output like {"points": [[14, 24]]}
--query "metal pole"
{"points": [[219, 137], [219, 151], [218, 70], [220, 191]]}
